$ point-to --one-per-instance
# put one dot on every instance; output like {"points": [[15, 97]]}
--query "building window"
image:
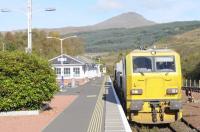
{"points": [[67, 72], [76, 72], [58, 71]]}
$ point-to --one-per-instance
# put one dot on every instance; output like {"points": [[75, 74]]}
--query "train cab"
{"points": [[151, 82]]}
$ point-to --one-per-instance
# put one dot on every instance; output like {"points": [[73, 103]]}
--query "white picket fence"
{"points": [[191, 83]]}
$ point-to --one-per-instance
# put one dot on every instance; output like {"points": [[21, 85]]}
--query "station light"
{"points": [[136, 92], [172, 91]]}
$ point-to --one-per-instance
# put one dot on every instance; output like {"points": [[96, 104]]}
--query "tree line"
{"points": [[47, 48]]}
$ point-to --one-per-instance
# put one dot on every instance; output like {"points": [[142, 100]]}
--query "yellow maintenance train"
{"points": [[149, 83]]}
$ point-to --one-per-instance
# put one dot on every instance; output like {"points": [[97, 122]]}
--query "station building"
{"points": [[74, 71]]}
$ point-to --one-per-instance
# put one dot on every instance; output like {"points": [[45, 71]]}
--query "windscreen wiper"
{"points": [[141, 73]]}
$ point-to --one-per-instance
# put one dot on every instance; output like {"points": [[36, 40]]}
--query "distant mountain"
{"points": [[126, 20], [109, 40]]}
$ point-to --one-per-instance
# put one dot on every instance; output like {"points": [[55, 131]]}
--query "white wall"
{"points": [[71, 72], [93, 73], [86, 74]]}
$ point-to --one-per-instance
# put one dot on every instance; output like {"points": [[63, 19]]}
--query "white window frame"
{"points": [[57, 70], [67, 73], [76, 72]]}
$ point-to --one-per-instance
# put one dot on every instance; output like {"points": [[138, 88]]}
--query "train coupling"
{"points": [[154, 105]]}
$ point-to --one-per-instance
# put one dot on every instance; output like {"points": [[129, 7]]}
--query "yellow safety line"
{"points": [[96, 120]]}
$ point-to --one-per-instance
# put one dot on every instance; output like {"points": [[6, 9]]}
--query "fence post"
{"points": [[199, 83], [194, 83], [186, 82], [190, 82]]}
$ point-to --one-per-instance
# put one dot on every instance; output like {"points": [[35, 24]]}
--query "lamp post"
{"points": [[61, 41], [29, 18], [61, 55], [29, 15]]}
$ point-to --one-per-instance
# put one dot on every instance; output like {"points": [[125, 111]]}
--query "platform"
{"points": [[96, 109], [115, 119]]}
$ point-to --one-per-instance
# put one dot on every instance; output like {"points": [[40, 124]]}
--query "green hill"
{"points": [[184, 37], [188, 45], [181, 36], [123, 39]]}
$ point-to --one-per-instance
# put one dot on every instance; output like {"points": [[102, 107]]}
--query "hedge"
{"points": [[26, 81]]}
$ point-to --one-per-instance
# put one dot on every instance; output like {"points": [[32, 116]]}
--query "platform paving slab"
{"points": [[76, 118], [115, 119]]}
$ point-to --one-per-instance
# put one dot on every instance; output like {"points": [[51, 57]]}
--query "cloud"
{"points": [[109, 4]]}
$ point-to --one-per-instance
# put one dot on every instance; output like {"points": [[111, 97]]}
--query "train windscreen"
{"points": [[165, 64], [154, 64], [142, 64]]}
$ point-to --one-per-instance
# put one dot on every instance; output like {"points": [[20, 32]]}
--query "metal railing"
{"points": [[191, 86]]}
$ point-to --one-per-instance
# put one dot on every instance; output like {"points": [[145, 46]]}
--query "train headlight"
{"points": [[153, 52], [136, 92], [172, 91]]}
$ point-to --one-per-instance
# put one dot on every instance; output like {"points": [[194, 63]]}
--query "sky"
{"points": [[89, 12]]}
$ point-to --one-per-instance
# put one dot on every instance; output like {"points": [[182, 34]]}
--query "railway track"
{"points": [[179, 126]]}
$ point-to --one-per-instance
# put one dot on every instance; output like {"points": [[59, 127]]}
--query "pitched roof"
{"points": [[67, 60], [85, 60]]}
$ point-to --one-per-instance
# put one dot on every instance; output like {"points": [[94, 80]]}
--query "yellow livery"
{"points": [[150, 82]]}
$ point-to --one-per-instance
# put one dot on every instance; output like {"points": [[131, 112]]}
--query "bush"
{"points": [[26, 81]]}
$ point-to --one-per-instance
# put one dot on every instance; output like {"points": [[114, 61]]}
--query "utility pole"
{"points": [[29, 21], [29, 48]]}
